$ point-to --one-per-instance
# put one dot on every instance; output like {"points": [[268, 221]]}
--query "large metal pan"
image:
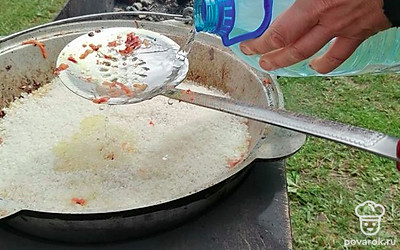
{"points": [[210, 64]]}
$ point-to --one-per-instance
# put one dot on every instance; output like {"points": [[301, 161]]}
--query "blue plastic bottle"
{"points": [[238, 20]]}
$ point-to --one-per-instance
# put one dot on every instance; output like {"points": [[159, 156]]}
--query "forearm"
{"points": [[392, 11]]}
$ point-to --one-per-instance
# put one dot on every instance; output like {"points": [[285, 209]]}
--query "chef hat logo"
{"points": [[370, 215]]}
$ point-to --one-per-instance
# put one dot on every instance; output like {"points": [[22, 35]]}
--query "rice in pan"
{"points": [[60, 152]]}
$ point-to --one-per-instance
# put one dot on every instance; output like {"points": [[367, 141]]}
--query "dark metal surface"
{"points": [[85, 7], [255, 216]]}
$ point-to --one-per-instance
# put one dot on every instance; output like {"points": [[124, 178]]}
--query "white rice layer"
{"points": [[58, 149]]}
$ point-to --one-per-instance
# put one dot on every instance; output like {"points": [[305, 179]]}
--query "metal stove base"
{"points": [[255, 216]]}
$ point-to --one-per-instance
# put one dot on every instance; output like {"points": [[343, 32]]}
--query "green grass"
{"points": [[326, 180], [21, 14]]}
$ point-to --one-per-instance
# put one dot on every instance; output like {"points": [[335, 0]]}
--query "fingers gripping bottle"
{"points": [[239, 20]]}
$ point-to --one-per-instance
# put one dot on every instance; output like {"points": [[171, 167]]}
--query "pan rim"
{"points": [[159, 205]]}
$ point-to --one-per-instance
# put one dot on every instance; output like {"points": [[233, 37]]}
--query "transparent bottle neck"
{"points": [[206, 15]]}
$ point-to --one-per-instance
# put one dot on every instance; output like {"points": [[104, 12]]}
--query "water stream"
{"points": [[187, 46]]}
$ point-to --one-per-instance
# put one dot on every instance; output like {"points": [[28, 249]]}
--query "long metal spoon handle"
{"points": [[368, 140]]}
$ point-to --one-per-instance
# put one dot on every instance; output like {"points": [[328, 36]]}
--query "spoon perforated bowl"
{"points": [[121, 65]]}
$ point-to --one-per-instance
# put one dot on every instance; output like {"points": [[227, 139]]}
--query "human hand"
{"points": [[305, 27]]}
